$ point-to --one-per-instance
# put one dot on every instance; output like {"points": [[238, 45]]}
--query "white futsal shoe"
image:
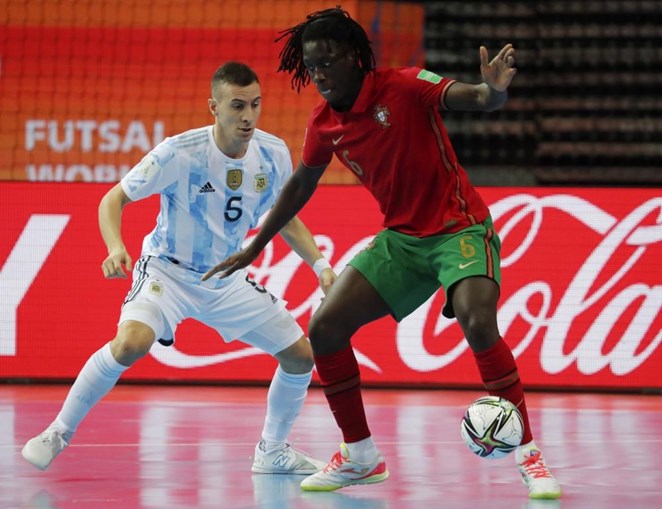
{"points": [[342, 471], [286, 460], [44, 448], [535, 474]]}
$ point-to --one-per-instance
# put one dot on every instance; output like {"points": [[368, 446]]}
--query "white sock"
{"points": [[285, 398], [99, 374], [363, 451]]}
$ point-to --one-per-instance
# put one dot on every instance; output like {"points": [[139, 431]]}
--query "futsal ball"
{"points": [[492, 427]]}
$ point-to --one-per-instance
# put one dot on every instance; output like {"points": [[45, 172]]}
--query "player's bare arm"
{"points": [[110, 224], [295, 194], [490, 95], [298, 237]]}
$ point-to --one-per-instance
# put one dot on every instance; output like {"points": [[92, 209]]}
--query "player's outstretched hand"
{"points": [[232, 263], [498, 72], [112, 265]]}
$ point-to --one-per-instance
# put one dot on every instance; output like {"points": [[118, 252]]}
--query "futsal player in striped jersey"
{"points": [[386, 126], [215, 182]]}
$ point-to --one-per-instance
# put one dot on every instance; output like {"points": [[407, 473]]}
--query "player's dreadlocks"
{"points": [[330, 24]]}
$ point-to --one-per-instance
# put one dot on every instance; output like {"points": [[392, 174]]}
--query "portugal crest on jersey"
{"points": [[381, 115], [234, 178]]}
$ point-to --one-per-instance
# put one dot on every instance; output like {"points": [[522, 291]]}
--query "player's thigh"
{"points": [[472, 252], [396, 267], [350, 303], [156, 298], [282, 337], [245, 307]]}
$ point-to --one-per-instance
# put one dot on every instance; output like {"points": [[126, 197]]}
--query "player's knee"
{"points": [[479, 328], [133, 341], [297, 358], [320, 329], [327, 335]]}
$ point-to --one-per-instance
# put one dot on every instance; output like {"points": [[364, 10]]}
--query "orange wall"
{"points": [[87, 86]]}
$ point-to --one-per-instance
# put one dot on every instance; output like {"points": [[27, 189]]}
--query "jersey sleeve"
{"points": [[314, 153], [430, 87], [154, 173]]}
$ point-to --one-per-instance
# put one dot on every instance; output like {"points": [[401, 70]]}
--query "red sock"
{"points": [[341, 381], [499, 373]]}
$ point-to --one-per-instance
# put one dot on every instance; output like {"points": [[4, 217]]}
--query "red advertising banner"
{"points": [[581, 301]]}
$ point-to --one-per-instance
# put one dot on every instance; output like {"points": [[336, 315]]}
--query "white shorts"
{"points": [[163, 295]]}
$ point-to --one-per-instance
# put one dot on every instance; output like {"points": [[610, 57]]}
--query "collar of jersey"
{"points": [[365, 97]]}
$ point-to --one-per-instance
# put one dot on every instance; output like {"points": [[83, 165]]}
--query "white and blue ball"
{"points": [[492, 427]]}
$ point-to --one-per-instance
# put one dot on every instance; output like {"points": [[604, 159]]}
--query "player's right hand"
{"points": [[112, 265], [232, 263]]}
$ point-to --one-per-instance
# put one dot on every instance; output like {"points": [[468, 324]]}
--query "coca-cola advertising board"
{"points": [[580, 305]]}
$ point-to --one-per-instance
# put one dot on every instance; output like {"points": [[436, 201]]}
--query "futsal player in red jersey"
{"points": [[386, 126]]}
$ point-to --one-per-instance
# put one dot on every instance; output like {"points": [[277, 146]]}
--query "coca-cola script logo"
{"points": [[578, 297]]}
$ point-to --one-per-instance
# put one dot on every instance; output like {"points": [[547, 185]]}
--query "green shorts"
{"points": [[406, 271]]}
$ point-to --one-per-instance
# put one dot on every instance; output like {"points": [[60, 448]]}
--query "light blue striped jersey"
{"points": [[209, 201]]}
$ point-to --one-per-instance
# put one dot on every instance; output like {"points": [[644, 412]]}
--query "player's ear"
{"points": [[213, 106], [354, 57]]}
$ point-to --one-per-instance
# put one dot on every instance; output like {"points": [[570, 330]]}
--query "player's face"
{"points": [[334, 71], [237, 110]]}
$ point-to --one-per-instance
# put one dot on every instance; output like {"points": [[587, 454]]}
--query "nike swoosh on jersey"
{"points": [[337, 140], [465, 265]]}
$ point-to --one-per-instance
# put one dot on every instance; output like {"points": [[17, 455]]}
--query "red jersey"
{"points": [[395, 142]]}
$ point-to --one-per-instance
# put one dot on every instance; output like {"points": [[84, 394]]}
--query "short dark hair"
{"points": [[332, 25], [234, 73]]}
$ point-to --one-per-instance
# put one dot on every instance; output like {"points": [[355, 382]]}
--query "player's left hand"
{"points": [[326, 279], [498, 72]]}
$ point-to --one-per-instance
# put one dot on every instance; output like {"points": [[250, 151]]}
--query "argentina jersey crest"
{"points": [[260, 182]]}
